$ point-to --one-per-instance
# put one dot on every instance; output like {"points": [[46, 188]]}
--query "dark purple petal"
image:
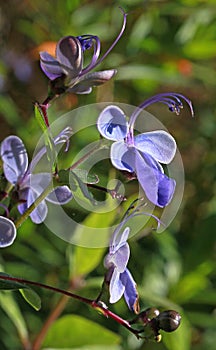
{"points": [[122, 156], [7, 232], [158, 144], [70, 55], [15, 158], [157, 186], [116, 287], [130, 292], [50, 66], [61, 195], [112, 123], [166, 189]]}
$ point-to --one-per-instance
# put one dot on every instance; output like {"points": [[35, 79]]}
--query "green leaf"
{"points": [[10, 285], [31, 297], [86, 259], [179, 339], [12, 310], [28, 294], [81, 188], [89, 347], [48, 139], [74, 331], [86, 177]]}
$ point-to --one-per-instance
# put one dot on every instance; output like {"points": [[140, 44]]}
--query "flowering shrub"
{"points": [[142, 156]]}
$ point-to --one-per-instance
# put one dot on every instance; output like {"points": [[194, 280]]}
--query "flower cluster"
{"points": [[140, 154]]}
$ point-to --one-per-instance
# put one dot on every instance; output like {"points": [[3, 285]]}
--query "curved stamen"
{"points": [[96, 62], [96, 43], [171, 99]]}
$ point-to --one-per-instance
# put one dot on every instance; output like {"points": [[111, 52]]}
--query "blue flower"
{"points": [[120, 280], [7, 232], [67, 73], [142, 154], [30, 186]]}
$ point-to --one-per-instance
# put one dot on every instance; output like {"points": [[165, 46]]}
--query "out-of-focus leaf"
{"points": [[191, 284], [10, 285], [12, 310], [86, 259], [28, 294], [200, 49], [181, 338], [89, 347], [32, 298], [73, 331], [202, 319]]}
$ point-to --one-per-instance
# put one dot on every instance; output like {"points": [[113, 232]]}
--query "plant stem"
{"points": [[97, 305], [29, 210]]}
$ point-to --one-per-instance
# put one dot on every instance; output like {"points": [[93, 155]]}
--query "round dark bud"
{"points": [[146, 315], [168, 320]]}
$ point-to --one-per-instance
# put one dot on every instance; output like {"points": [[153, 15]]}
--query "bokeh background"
{"points": [[167, 46]]}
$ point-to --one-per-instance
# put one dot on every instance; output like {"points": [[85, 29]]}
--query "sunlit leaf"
{"points": [[75, 331], [32, 298]]}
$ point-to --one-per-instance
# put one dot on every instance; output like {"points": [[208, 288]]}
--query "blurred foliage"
{"points": [[167, 46]]}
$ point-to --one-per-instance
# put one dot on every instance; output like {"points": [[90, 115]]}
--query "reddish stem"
{"points": [[97, 305]]}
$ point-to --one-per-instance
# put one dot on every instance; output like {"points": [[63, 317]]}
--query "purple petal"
{"points": [[97, 78], [159, 144], [157, 186], [121, 257], [112, 123], [70, 56], [130, 292], [39, 214], [61, 195], [122, 156], [85, 83], [7, 232], [116, 287], [50, 66], [80, 89], [38, 182], [166, 189], [119, 239], [15, 158]]}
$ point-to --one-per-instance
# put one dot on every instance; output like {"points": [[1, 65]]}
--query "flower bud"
{"points": [[168, 320]]}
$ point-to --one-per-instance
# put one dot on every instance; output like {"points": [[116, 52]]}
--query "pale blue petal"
{"points": [[130, 292], [122, 156], [121, 257], [158, 144], [112, 123], [119, 239], [116, 287], [15, 158], [7, 232], [70, 56], [61, 195], [50, 66], [39, 214], [39, 182]]}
